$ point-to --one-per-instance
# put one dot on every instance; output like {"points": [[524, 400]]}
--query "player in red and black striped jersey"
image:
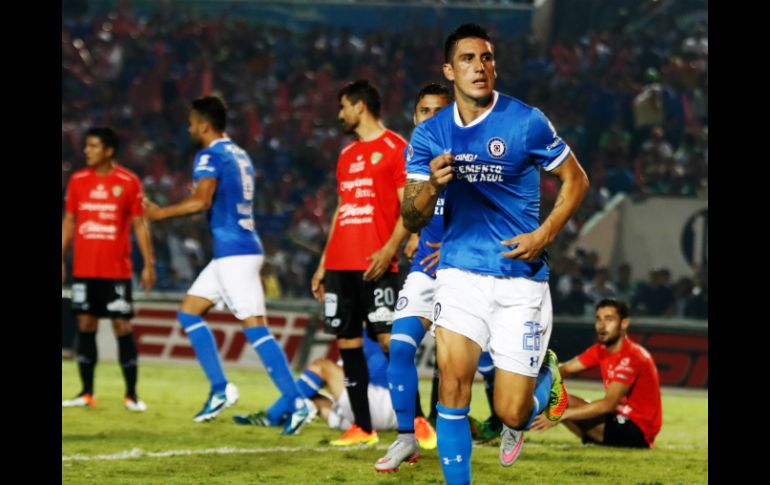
{"points": [[104, 201], [630, 413]]}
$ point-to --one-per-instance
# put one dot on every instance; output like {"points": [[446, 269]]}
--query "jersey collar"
{"points": [[219, 140], [459, 121]]}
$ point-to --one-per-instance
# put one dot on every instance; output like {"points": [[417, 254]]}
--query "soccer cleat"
{"points": [[136, 405], [217, 402], [300, 418], [400, 451], [356, 436], [489, 431], [558, 400], [425, 434], [83, 400], [258, 418], [476, 427], [511, 441]]}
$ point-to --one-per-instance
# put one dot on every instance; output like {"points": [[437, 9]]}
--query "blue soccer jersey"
{"points": [[495, 194], [231, 216]]}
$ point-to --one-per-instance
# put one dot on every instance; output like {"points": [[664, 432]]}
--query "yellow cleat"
{"points": [[356, 436], [425, 434]]}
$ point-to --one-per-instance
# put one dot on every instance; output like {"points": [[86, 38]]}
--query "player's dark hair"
{"points": [[619, 305], [362, 90], [107, 136], [464, 31], [213, 109], [433, 88]]}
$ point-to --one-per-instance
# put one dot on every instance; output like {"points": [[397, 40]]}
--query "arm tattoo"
{"points": [[413, 219]]}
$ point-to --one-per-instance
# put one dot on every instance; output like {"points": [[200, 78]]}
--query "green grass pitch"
{"points": [[109, 445]]}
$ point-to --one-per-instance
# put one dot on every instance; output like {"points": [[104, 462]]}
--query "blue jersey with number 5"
{"points": [[231, 216]]}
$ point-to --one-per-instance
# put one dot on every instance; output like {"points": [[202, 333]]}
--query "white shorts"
{"points": [[234, 280], [416, 297], [511, 316], [380, 409]]}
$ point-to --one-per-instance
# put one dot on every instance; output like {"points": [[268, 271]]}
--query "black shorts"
{"points": [[103, 297], [620, 431], [349, 301]]}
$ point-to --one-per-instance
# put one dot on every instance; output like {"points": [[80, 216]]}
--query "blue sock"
{"points": [[406, 335], [542, 392], [205, 347], [486, 365], [279, 408], [275, 363], [454, 444], [309, 383]]}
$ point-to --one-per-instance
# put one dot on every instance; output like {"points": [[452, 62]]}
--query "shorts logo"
{"points": [[496, 147], [409, 152], [78, 293], [401, 303], [381, 314], [120, 306], [436, 311], [334, 323], [330, 304]]}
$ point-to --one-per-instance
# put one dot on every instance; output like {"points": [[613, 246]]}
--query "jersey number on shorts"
{"points": [[384, 296], [532, 338]]}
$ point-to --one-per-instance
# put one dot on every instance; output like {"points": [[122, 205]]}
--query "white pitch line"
{"points": [[139, 453]]}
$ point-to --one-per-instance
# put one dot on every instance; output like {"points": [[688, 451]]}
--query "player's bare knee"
{"points": [[454, 392], [121, 327], [88, 323], [195, 305], [512, 411], [88, 327], [514, 417], [319, 366]]}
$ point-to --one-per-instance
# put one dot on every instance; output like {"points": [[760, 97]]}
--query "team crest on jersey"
{"points": [[496, 147], [409, 152], [376, 157], [117, 190], [436, 311], [401, 303]]}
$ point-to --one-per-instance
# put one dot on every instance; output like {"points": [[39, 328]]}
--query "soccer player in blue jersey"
{"points": [[224, 188], [486, 150], [414, 311]]}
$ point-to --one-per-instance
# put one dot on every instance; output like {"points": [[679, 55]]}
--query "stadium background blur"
{"points": [[625, 83]]}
